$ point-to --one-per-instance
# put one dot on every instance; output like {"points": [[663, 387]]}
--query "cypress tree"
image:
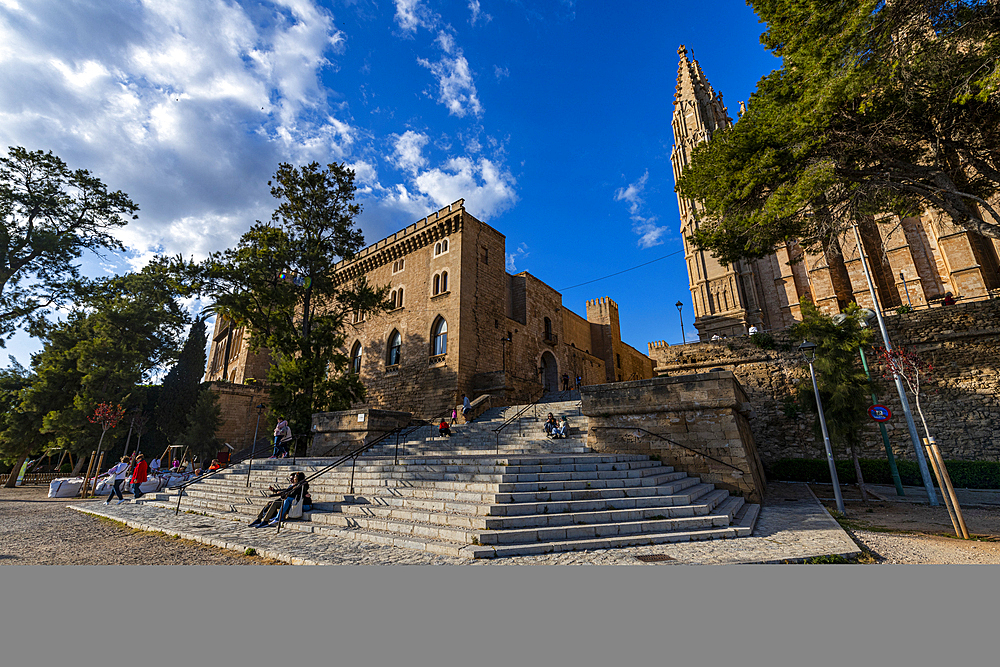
{"points": [[181, 385]]}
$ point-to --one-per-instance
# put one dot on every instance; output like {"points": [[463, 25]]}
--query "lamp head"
{"points": [[679, 305], [807, 350]]}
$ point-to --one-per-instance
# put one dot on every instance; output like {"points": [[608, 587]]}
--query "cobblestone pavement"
{"points": [[791, 526]]}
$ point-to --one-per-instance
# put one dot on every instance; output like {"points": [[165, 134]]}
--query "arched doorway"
{"points": [[550, 372]]}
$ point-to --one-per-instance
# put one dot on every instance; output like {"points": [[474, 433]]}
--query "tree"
{"points": [[50, 215], [844, 387], [879, 107], [181, 385], [280, 283], [130, 330], [107, 416], [202, 423], [20, 433]]}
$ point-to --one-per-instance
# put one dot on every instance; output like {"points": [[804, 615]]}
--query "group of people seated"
{"points": [[556, 429], [276, 510]]}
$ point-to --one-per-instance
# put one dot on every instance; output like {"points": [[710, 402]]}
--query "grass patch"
{"points": [[250, 551]]}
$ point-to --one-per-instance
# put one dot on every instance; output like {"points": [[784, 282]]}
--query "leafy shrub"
{"points": [[764, 341], [964, 474], [902, 310]]}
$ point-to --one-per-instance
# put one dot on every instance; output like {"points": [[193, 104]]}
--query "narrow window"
{"points": [[437, 248], [400, 297], [619, 360], [395, 344], [444, 245], [439, 337], [437, 285], [548, 329], [392, 300], [356, 358], [444, 281], [486, 255]]}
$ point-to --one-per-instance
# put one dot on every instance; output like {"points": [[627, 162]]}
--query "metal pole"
{"points": [[681, 315], [906, 289], [826, 443], [253, 449], [885, 436], [925, 474]]}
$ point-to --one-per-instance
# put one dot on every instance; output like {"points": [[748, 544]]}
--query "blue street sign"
{"points": [[879, 413]]}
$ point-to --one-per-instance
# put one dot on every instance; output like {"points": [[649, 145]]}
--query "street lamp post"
{"points": [[681, 315], [253, 445], [808, 351], [925, 474]]}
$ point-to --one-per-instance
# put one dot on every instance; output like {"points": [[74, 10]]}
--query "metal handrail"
{"points": [[520, 412], [232, 462], [350, 455], [693, 451]]}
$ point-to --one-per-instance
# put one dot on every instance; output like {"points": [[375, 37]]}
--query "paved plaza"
{"points": [[792, 526]]}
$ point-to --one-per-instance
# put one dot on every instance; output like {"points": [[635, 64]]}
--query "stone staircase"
{"points": [[456, 496]]}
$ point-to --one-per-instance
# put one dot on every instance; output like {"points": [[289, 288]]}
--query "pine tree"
{"points": [[181, 385]]}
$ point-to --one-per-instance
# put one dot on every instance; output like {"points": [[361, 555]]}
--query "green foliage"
{"points": [[129, 329], [279, 282], [964, 474], [202, 424], [182, 384], [879, 107], [764, 341], [904, 309], [50, 214], [843, 385]]}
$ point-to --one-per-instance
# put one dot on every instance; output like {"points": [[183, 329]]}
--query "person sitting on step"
{"points": [[270, 516], [560, 431], [444, 429], [550, 425]]}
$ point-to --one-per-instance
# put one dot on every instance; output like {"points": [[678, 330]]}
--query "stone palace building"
{"points": [[913, 260], [459, 324]]}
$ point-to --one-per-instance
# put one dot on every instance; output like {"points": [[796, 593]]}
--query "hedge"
{"points": [[964, 474]]}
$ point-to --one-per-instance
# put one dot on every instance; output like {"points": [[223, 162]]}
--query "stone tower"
{"points": [[724, 297]]}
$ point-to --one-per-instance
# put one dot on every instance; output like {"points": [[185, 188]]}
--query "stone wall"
{"points": [[339, 433], [704, 415], [239, 415], [962, 406]]}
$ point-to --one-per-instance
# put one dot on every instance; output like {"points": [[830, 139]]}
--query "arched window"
{"points": [[437, 284], [548, 329], [437, 248], [395, 345], [392, 300], [399, 300], [441, 247], [439, 337], [444, 281], [356, 358], [444, 245]]}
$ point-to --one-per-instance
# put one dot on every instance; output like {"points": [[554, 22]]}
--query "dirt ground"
{"points": [[909, 516], [38, 530]]}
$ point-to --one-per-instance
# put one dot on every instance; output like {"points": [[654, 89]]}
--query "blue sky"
{"points": [[550, 118]]}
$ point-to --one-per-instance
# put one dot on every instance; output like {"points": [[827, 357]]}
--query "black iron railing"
{"points": [[517, 417]]}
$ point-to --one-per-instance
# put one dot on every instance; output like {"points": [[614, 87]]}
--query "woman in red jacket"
{"points": [[138, 476]]}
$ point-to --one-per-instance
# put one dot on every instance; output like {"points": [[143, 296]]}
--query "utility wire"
{"points": [[611, 275]]}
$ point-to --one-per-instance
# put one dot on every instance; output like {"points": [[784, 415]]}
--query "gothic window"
{"points": [[441, 247], [437, 284], [392, 300], [444, 281], [356, 358], [397, 266], [437, 248], [395, 345], [399, 294], [440, 283], [439, 337], [548, 329]]}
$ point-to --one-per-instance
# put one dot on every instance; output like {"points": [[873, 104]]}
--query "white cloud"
{"points": [[456, 89], [477, 13], [187, 105], [632, 193], [486, 188], [501, 72], [412, 14], [409, 151], [650, 234], [520, 252]]}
